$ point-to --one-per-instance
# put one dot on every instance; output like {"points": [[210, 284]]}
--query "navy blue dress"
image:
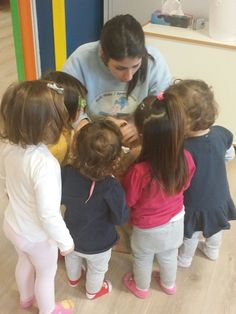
{"points": [[208, 203], [92, 224]]}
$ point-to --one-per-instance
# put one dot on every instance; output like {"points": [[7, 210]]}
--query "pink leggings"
{"points": [[35, 270]]}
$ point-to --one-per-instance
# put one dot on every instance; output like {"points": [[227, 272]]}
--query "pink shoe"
{"points": [[28, 303], [129, 282], [106, 288], [169, 291], [64, 307]]}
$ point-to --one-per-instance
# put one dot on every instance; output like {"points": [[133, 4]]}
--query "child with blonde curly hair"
{"points": [[208, 204]]}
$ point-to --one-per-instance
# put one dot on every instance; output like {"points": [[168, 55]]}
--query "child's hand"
{"points": [[81, 124], [67, 252]]}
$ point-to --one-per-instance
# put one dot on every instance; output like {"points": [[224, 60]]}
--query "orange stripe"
{"points": [[27, 39]]}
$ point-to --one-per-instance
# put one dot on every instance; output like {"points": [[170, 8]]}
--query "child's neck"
{"points": [[198, 133]]}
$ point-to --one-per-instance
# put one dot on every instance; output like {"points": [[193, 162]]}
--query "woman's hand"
{"points": [[129, 134], [128, 131]]}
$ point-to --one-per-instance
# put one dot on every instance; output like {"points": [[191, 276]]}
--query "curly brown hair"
{"points": [[97, 148], [198, 100]]}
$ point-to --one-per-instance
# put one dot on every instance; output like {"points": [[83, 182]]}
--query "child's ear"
{"points": [[102, 54]]}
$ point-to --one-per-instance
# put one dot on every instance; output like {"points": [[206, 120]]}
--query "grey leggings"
{"points": [[97, 266], [161, 242]]}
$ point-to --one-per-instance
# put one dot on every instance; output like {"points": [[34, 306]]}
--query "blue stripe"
{"points": [[45, 33], [84, 20]]}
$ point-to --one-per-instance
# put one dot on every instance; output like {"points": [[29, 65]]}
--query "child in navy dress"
{"points": [[154, 191], [95, 203], [208, 203]]}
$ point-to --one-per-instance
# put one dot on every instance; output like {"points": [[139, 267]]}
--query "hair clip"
{"points": [[82, 102], [142, 106], [55, 87], [160, 96]]}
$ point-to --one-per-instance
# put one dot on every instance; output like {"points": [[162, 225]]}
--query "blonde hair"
{"points": [[198, 101]]}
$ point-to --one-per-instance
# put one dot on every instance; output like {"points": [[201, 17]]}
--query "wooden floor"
{"points": [[206, 288]]}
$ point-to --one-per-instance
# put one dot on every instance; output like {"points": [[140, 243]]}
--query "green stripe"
{"points": [[17, 39]]}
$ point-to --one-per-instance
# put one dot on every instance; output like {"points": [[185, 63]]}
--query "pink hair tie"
{"points": [[160, 96]]}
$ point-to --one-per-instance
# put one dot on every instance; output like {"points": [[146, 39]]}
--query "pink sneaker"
{"points": [[27, 303], [129, 283], [64, 307], [169, 291], [106, 288]]}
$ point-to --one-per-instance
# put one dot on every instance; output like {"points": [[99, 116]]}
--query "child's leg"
{"points": [[210, 247], [187, 250], [25, 276], [73, 262], [24, 271], [142, 260], [45, 269], [97, 266], [138, 282], [172, 237], [168, 267]]}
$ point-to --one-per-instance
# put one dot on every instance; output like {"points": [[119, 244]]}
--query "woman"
{"points": [[119, 71]]}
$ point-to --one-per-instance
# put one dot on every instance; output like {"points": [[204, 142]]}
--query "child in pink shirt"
{"points": [[154, 191]]}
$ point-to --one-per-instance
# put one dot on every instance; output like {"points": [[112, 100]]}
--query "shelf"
{"points": [[185, 35]]}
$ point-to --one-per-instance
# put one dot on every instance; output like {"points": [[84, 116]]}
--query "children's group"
{"points": [[64, 139]]}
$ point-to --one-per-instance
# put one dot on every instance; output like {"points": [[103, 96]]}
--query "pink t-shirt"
{"points": [[150, 206]]}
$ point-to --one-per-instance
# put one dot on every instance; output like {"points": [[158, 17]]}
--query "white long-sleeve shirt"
{"points": [[32, 180]]}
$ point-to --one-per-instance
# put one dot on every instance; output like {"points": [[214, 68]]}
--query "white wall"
{"points": [[143, 9]]}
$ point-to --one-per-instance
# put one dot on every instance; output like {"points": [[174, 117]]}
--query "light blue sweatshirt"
{"points": [[106, 94]]}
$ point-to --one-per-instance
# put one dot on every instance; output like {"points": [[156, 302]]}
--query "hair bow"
{"points": [[160, 96]]}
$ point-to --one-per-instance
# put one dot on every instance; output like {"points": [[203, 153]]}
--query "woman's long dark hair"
{"points": [[123, 37], [161, 123]]}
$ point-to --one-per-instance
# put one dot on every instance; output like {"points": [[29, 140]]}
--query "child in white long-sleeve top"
{"points": [[32, 116]]}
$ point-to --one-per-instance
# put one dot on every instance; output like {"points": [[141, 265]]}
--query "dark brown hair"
{"points": [[123, 37], [161, 123], [73, 90], [198, 102], [97, 149], [32, 113]]}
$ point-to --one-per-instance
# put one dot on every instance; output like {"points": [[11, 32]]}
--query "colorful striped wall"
{"points": [[46, 32]]}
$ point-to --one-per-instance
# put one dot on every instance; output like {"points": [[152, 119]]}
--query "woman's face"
{"points": [[123, 70]]}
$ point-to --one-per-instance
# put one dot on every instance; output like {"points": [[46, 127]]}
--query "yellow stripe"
{"points": [[59, 29]]}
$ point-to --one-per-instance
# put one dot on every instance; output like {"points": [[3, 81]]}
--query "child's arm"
{"points": [[81, 124], [133, 183], [115, 199], [3, 190], [47, 187], [230, 153]]}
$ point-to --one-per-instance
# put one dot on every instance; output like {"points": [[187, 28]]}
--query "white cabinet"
{"points": [[193, 54]]}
